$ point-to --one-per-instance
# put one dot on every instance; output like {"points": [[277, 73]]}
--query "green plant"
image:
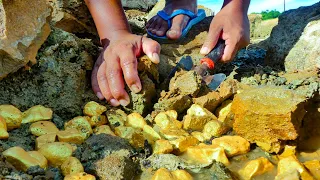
{"points": [[270, 14]]}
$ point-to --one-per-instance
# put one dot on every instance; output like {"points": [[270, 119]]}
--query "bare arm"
{"points": [[109, 19], [241, 5]]}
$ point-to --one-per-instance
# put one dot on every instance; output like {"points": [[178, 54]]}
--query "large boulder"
{"points": [[294, 42], [21, 35], [268, 116], [305, 55]]}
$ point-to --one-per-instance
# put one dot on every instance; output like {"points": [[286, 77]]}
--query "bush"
{"points": [[270, 14]]}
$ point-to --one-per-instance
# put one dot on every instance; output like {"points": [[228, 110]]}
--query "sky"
{"points": [[261, 5]]}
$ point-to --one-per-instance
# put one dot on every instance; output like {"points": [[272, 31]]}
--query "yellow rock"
{"points": [[71, 135], [172, 114], [36, 113], [168, 120], [79, 176], [256, 167], [116, 117], [214, 128], [40, 128], [11, 115], [270, 147], [135, 120], [42, 161], [233, 145], [93, 109], [71, 165], [162, 146], [137, 140], [103, 129], [171, 134], [197, 117], [126, 132], [288, 151], [205, 154], [182, 174], [19, 158], [96, 121], [56, 153], [45, 139], [198, 135], [288, 165], [223, 111], [3, 129], [81, 123], [163, 174], [182, 143], [150, 134], [313, 167]]}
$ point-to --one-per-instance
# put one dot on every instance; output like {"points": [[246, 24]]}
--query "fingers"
{"points": [[128, 63], [212, 38], [94, 78], [103, 84], [115, 78], [151, 48], [230, 50]]}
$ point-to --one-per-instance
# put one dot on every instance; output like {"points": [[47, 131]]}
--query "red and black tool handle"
{"points": [[215, 55]]}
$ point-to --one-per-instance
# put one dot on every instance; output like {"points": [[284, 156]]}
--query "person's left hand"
{"points": [[231, 25]]}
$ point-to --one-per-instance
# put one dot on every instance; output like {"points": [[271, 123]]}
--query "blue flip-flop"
{"points": [[194, 19]]}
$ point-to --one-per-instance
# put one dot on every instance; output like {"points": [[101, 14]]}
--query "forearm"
{"points": [[240, 5], [109, 18]]}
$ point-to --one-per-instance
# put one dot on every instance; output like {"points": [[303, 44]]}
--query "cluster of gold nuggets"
{"points": [[166, 135]]}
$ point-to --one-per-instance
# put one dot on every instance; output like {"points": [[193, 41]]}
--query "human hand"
{"points": [[117, 65], [232, 25]]}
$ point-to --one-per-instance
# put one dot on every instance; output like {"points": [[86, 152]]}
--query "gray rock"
{"points": [[107, 157], [73, 16], [21, 36], [305, 54], [292, 37], [138, 4]]}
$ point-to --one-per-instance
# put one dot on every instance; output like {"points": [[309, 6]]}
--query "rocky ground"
{"points": [[262, 122]]}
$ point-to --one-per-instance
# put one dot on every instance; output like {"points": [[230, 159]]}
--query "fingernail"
{"points": [[99, 95], [156, 58], [124, 102], [114, 102], [135, 88], [204, 50]]}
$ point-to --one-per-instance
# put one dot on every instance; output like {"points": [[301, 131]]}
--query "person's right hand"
{"points": [[117, 65]]}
